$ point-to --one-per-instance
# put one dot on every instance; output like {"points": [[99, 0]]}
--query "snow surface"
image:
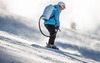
{"points": [[21, 42]]}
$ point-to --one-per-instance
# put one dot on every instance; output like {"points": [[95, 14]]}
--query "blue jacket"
{"points": [[54, 20]]}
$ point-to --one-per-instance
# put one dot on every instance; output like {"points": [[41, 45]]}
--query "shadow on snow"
{"points": [[15, 26], [95, 55]]}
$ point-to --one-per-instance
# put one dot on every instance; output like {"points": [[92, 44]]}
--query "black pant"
{"points": [[51, 29]]}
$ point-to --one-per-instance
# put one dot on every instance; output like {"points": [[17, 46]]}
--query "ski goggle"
{"points": [[62, 7]]}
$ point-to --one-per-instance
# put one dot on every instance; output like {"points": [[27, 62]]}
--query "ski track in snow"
{"points": [[41, 53], [32, 50]]}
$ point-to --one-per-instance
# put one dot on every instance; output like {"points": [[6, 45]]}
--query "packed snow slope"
{"points": [[21, 42]]}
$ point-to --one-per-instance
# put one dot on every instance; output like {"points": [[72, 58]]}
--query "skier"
{"points": [[53, 24]]}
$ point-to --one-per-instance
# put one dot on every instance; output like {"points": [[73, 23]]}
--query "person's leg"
{"points": [[51, 29]]}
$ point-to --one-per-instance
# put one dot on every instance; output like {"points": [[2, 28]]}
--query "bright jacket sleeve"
{"points": [[57, 14]]}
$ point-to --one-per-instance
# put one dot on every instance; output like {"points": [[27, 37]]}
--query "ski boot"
{"points": [[52, 46]]}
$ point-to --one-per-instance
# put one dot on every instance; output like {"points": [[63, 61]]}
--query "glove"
{"points": [[57, 27]]}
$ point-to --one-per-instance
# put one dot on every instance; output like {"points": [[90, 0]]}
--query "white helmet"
{"points": [[62, 4]]}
